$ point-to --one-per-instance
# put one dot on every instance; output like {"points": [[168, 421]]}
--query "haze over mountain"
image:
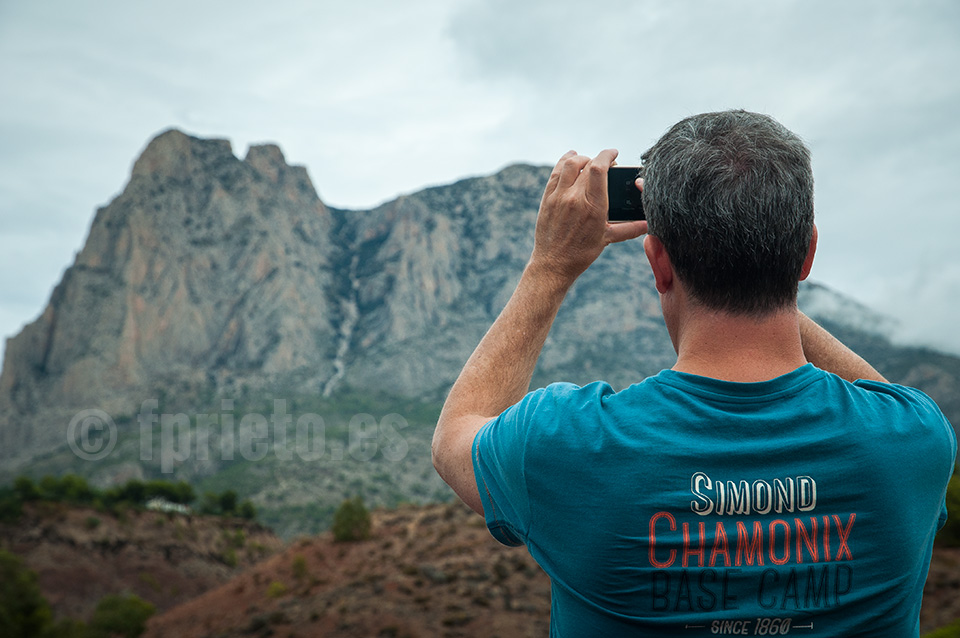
{"points": [[215, 276]]}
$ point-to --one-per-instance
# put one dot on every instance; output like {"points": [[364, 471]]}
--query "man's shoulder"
{"points": [[894, 396], [566, 395], [564, 390], [906, 392], [551, 414], [905, 416]]}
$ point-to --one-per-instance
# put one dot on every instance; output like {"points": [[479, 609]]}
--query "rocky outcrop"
{"points": [[222, 275], [436, 268], [205, 268]]}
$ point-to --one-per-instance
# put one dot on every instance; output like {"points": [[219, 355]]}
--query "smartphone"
{"points": [[624, 196]]}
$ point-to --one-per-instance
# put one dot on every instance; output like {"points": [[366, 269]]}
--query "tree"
{"points": [[134, 491], [210, 503], [75, 489], [23, 609], [26, 489], [183, 493], [351, 521], [228, 502], [50, 488], [247, 510]]}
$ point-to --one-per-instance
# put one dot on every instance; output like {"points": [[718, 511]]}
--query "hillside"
{"points": [[427, 571], [82, 554]]}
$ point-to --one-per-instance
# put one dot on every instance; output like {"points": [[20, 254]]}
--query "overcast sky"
{"points": [[386, 97]]}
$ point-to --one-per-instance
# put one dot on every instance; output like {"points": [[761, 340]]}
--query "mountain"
{"points": [[208, 270], [224, 288], [203, 265]]}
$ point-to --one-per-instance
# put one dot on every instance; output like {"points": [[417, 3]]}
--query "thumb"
{"points": [[623, 231]]}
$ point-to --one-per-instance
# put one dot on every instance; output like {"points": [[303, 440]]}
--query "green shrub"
{"points": [[949, 535], [950, 631], [228, 502], [11, 506], [69, 488], [23, 609], [49, 488], [210, 503], [183, 493], [133, 491], [247, 510], [71, 628], [75, 489], [276, 589], [121, 615], [26, 489], [351, 521], [238, 539], [299, 567]]}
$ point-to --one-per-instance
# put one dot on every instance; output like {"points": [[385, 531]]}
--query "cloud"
{"points": [[380, 98], [924, 302]]}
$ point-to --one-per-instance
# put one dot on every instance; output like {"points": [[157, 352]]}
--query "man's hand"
{"points": [[572, 228], [572, 231]]}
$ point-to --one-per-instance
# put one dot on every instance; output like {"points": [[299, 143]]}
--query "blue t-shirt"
{"points": [[688, 506]]}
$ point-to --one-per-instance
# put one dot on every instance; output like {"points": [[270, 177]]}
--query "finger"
{"points": [[571, 170], [607, 157], [600, 165], [639, 183], [555, 173], [622, 231]]}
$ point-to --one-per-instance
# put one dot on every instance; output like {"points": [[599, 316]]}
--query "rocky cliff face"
{"points": [[433, 270], [206, 267], [215, 272], [204, 263]]}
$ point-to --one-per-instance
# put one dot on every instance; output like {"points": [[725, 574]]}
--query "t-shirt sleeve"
{"points": [[935, 424], [498, 465]]}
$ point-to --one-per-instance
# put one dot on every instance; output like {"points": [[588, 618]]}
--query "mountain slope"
{"points": [[214, 288], [426, 571], [81, 554]]}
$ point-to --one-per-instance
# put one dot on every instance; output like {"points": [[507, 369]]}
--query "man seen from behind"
{"points": [[770, 483]]}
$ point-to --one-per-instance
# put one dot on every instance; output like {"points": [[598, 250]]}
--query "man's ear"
{"points": [[659, 262], [808, 261]]}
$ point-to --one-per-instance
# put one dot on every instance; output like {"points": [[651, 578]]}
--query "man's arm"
{"points": [[572, 231], [826, 352]]}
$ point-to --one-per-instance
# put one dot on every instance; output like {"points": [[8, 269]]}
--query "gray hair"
{"points": [[730, 195]]}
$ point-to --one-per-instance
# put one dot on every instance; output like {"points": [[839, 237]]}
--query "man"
{"points": [[771, 482]]}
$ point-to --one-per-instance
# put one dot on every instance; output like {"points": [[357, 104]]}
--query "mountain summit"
{"points": [[213, 272]]}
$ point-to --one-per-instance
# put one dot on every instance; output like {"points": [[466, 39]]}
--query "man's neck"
{"points": [[737, 347]]}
